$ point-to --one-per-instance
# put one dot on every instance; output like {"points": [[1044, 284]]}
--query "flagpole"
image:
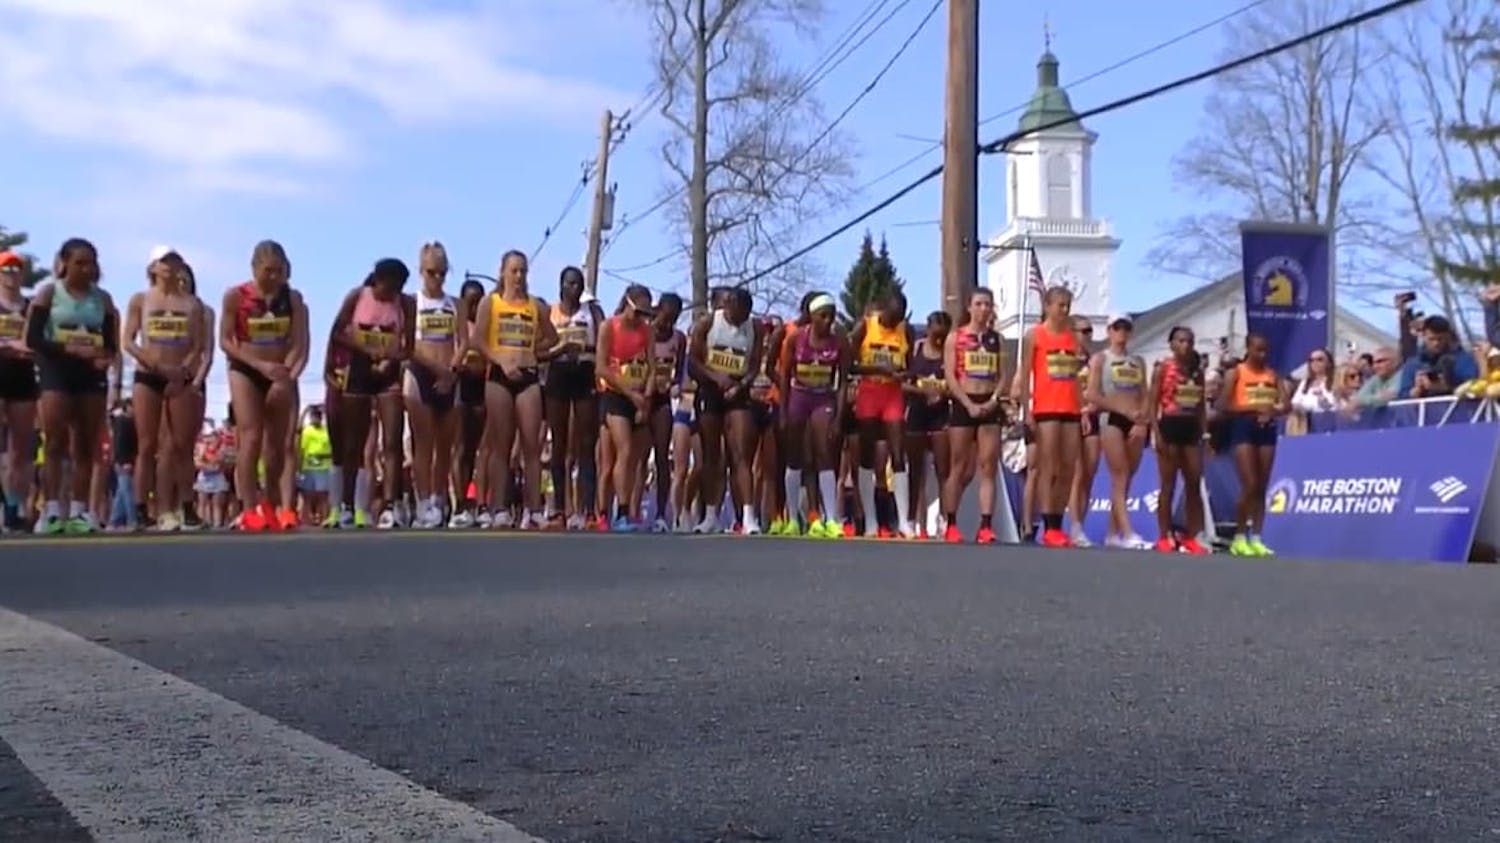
{"points": [[1025, 289]]}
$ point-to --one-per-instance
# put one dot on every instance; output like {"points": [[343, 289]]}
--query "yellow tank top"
{"points": [[513, 328], [883, 346]]}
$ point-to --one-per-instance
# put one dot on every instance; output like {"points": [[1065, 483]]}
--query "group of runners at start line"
{"points": [[734, 399]]}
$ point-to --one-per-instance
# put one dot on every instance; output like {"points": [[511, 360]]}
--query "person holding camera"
{"points": [[1439, 365]]}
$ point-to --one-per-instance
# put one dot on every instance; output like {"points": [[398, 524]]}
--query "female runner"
{"points": [[789, 519], [1178, 422], [764, 447], [1047, 376], [724, 356], [1255, 397], [377, 325], [18, 390], [671, 357], [927, 415], [164, 334], [687, 452], [191, 520], [573, 400], [629, 353], [815, 363], [469, 485], [512, 333], [883, 344], [430, 388], [72, 327], [1117, 386], [1082, 491], [263, 334], [971, 361]]}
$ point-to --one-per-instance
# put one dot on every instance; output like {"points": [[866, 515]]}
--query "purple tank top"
{"points": [[813, 367]]}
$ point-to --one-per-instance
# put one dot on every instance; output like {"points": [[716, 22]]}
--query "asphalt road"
{"points": [[585, 688]]}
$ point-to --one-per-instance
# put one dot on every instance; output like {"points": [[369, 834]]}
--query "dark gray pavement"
{"points": [[699, 689]]}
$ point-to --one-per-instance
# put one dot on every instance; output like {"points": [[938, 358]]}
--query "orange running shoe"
{"points": [[952, 535], [884, 533], [1166, 544], [1055, 538], [1192, 546], [289, 519], [984, 536], [252, 521], [269, 518], [848, 529]]}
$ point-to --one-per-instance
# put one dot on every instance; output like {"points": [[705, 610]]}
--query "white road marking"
{"points": [[137, 754]]}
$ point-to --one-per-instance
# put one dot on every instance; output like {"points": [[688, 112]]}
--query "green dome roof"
{"points": [[1049, 103]]}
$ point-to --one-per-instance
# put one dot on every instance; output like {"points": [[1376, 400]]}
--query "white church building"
{"points": [[1049, 211]]}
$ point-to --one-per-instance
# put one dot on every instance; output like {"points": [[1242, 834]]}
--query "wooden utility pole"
{"points": [[960, 224], [601, 199]]}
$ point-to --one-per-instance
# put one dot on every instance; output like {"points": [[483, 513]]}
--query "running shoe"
{"points": [[986, 535], [660, 525], [1191, 546], [1166, 544], [622, 525], [288, 519], [1259, 548], [80, 525], [952, 535], [1241, 547], [1055, 539]]}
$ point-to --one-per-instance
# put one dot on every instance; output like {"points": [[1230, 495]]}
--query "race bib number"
{"points": [[727, 361]]}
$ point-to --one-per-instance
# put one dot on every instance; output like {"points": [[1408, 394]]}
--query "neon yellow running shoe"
{"points": [[1241, 547], [1258, 547]]}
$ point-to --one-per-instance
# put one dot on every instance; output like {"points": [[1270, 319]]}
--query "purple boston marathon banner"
{"points": [[1288, 288]]}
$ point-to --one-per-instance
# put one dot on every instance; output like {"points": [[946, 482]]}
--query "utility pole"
{"points": [[599, 220], [960, 224]]}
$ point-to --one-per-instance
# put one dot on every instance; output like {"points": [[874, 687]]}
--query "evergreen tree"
{"points": [[1480, 225], [12, 241], [872, 277]]}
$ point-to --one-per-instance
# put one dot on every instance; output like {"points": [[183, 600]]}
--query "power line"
{"points": [[837, 55], [1128, 60], [871, 85], [589, 167], [999, 144]]}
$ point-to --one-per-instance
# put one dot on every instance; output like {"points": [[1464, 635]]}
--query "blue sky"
{"points": [[354, 135]]}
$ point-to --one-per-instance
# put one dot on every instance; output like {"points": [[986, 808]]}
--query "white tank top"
{"points": [[437, 318], [729, 345], [578, 327]]}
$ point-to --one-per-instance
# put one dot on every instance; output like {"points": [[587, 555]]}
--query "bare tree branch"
{"points": [[739, 150], [1283, 139]]}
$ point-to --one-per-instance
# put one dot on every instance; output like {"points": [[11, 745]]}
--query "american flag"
{"points": [[1035, 281]]}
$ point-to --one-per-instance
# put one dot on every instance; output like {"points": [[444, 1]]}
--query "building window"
{"points": [[1013, 210], [1059, 187]]}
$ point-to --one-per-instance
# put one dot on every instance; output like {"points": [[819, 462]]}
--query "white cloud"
{"points": [[239, 95]]}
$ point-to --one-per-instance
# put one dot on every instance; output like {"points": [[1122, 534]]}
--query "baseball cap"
{"points": [[1117, 318], [9, 259], [162, 252]]}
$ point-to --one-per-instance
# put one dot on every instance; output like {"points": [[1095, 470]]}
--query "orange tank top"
{"points": [[1254, 392], [1054, 372]]}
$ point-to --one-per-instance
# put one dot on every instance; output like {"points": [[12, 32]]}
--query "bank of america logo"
{"points": [[1448, 488]]}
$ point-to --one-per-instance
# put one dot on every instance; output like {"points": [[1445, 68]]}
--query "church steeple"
{"points": [[1049, 103]]}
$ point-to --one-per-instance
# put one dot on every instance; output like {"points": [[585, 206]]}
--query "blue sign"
{"points": [[1401, 495], [1287, 280]]}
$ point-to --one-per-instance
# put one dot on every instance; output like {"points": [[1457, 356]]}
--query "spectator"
{"points": [[1383, 384], [1440, 365], [1315, 394], [122, 512], [1346, 384], [1366, 365], [1490, 300]]}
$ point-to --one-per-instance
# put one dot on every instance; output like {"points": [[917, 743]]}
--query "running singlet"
{"points": [[166, 327], [437, 319], [76, 322], [578, 328], [1254, 392], [1122, 374], [976, 356], [376, 324], [883, 346], [668, 362], [929, 371], [262, 321], [627, 352], [1181, 395], [513, 328], [13, 323], [813, 366], [729, 345], [1054, 372]]}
